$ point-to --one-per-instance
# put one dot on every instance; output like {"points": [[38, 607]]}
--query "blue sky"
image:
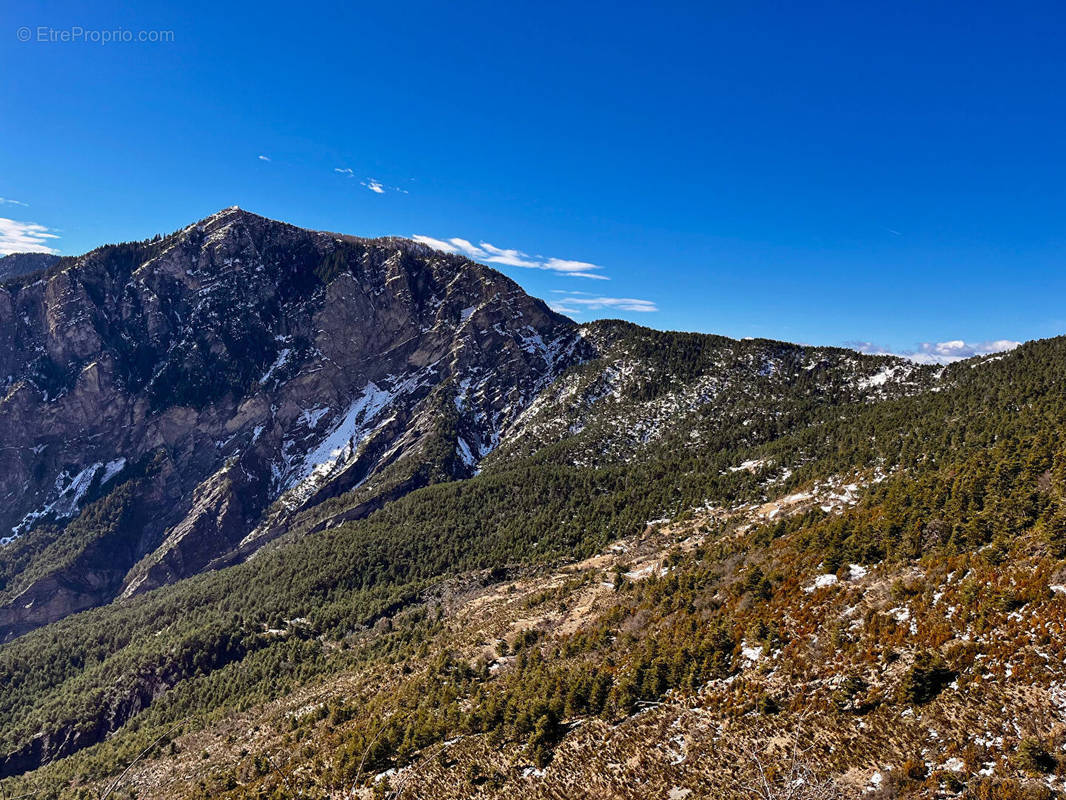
{"points": [[890, 173]]}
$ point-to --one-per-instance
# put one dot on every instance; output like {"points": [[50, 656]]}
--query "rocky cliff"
{"points": [[15, 264]]}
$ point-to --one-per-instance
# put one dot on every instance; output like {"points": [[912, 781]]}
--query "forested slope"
{"points": [[963, 474]]}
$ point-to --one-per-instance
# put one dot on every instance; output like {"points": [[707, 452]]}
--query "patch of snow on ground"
{"points": [[878, 379], [901, 613], [750, 466], [751, 652], [821, 582]]}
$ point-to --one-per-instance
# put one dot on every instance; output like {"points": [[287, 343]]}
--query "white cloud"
{"points": [[940, 352], [472, 250], [374, 185], [436, 244], [513, 258], [490, 254], [577, 269], [577, 302], [9, 201], [24, 237], [264, 158], [957, 350], [869, 348]]}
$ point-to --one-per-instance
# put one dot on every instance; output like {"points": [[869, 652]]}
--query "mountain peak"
{"points": [[246, 370]]}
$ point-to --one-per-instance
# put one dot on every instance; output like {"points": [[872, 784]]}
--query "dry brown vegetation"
{"points": [[929, 679]]}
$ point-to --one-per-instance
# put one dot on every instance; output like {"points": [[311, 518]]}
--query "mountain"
{"points": [[409, 533], [197, 389], [15, 265], [172, 405]]}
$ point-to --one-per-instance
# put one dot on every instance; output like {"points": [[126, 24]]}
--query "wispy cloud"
{"points": [[578, 302], [940, 352], [9, 201], [264, 158], [490, 254], [373, 184], [25, 237], [580, 269]]}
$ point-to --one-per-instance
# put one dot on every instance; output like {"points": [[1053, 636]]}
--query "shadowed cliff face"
{"points": [[15, 264], [164, 403]]}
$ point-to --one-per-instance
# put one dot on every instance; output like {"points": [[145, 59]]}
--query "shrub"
{"points": [[1033, 757], [926, 678]]}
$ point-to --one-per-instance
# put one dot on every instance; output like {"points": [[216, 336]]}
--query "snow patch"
{"points": [[341, 444], [71, 491], [279, 362], [750, 466], [112, 468], [751, 652], [821, 582], [463, 450], [311, 417]]}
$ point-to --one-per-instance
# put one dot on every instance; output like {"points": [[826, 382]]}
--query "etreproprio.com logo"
{"points": [[76, 34]]}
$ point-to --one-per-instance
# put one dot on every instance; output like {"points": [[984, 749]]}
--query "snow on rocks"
{"points": [[279, 362], [311, 417], [70, 490], [677, 750], [112, 468], [875, 782], [340, 445], [463, 450]]}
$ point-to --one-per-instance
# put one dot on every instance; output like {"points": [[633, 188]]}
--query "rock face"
{"points": [[15, 264], [165, 404]]}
